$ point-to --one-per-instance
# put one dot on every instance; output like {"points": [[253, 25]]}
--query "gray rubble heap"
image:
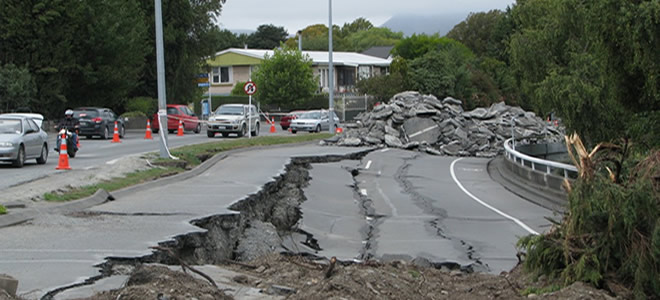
{"points": [[414, 121]]}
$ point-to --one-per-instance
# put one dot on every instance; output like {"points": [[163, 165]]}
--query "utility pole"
{"points": [[331, 74], [160, 66], [300, 40]]}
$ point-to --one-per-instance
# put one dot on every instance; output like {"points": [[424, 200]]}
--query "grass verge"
{"points": [[191, 155], [3, 210]]}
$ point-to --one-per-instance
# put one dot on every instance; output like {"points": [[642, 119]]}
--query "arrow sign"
{"points": [[250, 88]]}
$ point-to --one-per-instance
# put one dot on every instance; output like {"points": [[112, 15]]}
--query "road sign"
{"points": [[250, 88], [202, 84]]}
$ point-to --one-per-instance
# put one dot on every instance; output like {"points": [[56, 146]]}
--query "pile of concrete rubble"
{"points": [[414, 121]]}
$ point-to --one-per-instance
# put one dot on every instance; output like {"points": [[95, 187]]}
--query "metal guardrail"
{"points": [[534, 163]]}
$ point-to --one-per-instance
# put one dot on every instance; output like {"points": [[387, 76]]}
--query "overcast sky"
{"points": [[295, 15]]}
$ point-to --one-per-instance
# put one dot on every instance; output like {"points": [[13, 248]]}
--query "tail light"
{"points": [[97, 120]]}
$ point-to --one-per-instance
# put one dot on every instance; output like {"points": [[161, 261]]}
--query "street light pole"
{"points": [[160, 67], [331, 74]]}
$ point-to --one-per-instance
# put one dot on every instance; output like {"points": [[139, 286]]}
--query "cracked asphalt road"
{"points": [[391, 204], [408, 205]]}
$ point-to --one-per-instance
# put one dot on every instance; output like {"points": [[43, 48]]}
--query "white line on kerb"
{"points": [[499, 212], [112, 162], [368, 165], [385, 150]]}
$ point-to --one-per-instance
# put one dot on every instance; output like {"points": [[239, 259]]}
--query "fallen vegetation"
{"points": [[610, 236]]}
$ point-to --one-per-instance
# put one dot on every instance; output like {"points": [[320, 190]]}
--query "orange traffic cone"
{"points": [[272, 126], [115, 136], [147, 136], [180, 131], [63, 163]]}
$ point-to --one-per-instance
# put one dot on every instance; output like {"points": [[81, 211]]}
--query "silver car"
{"points": [[21, 139], [233, 118], [313, 121]]}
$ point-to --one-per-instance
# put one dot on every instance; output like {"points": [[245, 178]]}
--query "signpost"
{"points": [[203, 81], [250, 88]]}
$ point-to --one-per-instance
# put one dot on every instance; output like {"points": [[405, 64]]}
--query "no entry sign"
{"points": [[250, 88]]}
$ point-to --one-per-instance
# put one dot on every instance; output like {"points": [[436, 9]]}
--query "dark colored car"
{"points": [[176, 112], [285, 121], [98, 121]]}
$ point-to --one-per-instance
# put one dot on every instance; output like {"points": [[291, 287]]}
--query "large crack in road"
{"points": [[268, 221]]}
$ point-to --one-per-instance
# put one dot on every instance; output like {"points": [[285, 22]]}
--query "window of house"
{"points": [[364, 72], [221, 75]]}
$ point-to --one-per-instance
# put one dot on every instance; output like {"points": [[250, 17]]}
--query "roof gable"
{"points": [[230, 58]]}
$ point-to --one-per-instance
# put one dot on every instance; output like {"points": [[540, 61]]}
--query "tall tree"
{"points": [[365, 39], [17, 88], [476, 32], [285, 78], [594, 63], [188, 29], [267, 37]]}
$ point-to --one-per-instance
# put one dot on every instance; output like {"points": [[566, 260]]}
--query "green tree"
{"points": [[315, 38], [17, 87], [477, 32], [594, 63], [267, 37], [358, 25], [225, 39], [443, 73], [363, 40], [41, 36], [285, 78], [188, 32], [382, 87], [111, 58], [417, 46]]}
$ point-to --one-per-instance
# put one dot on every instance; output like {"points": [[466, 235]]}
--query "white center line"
{"points": [[499, 212], [368, 165]]}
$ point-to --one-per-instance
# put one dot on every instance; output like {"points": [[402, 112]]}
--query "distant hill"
{"points": [[428, 24]]}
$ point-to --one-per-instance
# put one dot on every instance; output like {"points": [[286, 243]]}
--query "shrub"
{"points": [[3, 210], [145, 105], [612, 228], [133, 114], [238, 89]]}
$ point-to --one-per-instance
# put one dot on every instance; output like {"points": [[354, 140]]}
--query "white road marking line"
{"points": [[395, 213], [368, 165], [423, 131], [112, 162], [385, 150], [520, 223]]}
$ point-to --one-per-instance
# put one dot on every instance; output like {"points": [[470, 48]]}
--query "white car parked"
{"points": [[21, 138], [314, 121], [233, 118]]}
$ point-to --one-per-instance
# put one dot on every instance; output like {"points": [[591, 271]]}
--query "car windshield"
{"points": [[80, 114], [10, 126], [310, 115], [229, 110]]}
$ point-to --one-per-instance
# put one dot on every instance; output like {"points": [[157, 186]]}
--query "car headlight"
{"points": [[6, 144]]}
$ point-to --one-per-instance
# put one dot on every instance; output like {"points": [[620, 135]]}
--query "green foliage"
{"points": [[363, 40], [133, 114], [267, 37], [593, 60], [382, 87], [611, 231], [417, 46], [3, 210], [286, 78], [442, 73], [237, 90], [189, 35], [477, 32], [145, 105], [17, 87]]}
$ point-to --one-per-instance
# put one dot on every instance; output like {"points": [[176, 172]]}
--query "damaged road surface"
{"points": [[402, 205], [352, 203]]}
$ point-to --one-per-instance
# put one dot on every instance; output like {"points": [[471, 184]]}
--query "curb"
{"points": [[101, 196]]}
